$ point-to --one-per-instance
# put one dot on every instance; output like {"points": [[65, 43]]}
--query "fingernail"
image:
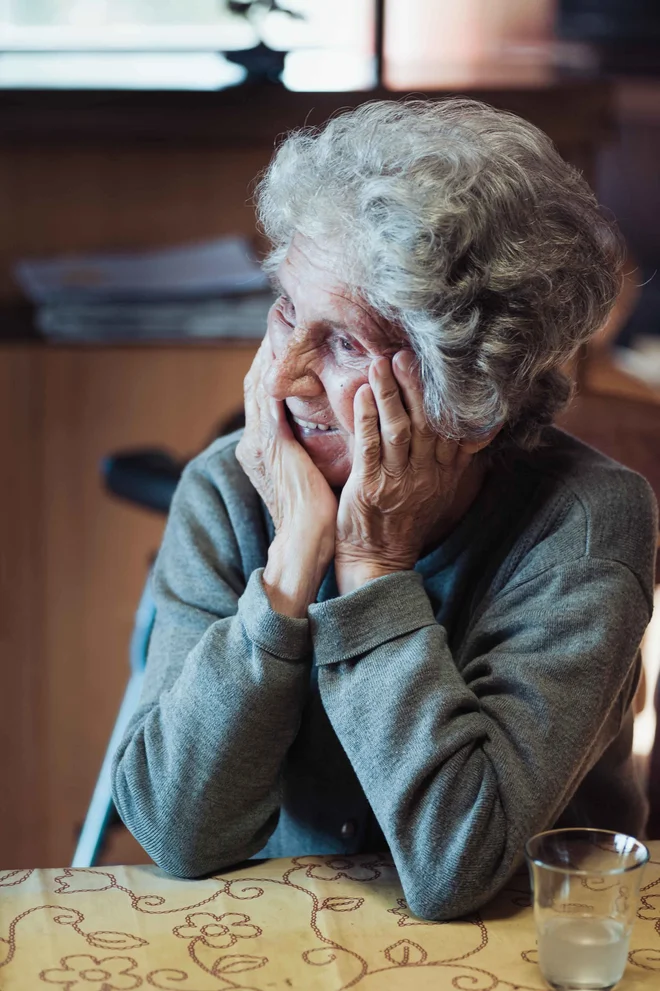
{"points": [[404, 360]]}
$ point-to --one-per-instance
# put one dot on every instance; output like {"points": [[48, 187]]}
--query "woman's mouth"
{"points": [[326, 445], [308, 427]]}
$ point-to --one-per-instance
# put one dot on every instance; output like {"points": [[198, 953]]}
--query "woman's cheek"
{"points": [[341, 388]]}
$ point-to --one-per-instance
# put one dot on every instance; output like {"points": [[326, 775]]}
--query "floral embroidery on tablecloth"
{"points": [[217, 931], [88, 973], [339, 930]]}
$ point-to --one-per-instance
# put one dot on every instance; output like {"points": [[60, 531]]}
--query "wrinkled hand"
{"points": [[403, 479], [300, 501]]}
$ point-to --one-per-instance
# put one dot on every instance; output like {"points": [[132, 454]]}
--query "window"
{"points": [[182, 44]]}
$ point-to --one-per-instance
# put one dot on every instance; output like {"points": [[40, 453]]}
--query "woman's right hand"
{"points": [[299, 500]]}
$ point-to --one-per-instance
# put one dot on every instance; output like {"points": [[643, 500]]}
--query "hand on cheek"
{"points": [[297, 496], [403, 479]]}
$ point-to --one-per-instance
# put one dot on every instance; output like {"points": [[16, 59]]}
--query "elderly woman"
{"points": [[401, 610]]}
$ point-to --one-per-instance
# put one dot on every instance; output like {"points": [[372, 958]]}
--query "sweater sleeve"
{"points": [[461, 763], [196, 776]]}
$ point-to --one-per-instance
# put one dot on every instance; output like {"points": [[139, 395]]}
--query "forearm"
{"points": [[293, 573], [419, 744], [462, 760], [196, 777]]}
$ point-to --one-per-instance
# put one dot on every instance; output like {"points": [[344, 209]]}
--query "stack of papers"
{"points": [[212, 289]]}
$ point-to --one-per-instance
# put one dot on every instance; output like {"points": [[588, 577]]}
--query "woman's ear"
{"points": [[474, 446]]}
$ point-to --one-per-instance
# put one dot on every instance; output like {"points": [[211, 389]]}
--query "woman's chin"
{"points": [[335, 475], [332, 459], [329, 452], [335, 470]]}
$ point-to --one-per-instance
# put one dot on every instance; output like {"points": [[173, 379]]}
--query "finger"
{"points": [[277, 412], [256, 368], [269, 406], [250, 397], [366, 453], [395, 429], [262, 360], [263, 414], [423, 436], [269, 416]]}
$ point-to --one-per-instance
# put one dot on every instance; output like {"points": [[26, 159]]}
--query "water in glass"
{"points": [[583, 954]]}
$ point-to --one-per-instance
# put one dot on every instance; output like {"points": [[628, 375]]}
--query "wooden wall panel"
{"points": [[97, 548], [22, 696], [75, 560]]}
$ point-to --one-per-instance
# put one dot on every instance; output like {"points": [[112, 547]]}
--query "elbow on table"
{"points": [[164, 843], [169, 832], [187, 853], [441, 906], [190, 859], [442, 903], [181, 862], [158, 829], [454, 868], [438, 895]]}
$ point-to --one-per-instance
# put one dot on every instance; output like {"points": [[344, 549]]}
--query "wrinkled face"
{"points": [[323, 339]]}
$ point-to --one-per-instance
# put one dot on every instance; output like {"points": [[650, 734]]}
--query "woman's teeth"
{"points": [[306, 425]]}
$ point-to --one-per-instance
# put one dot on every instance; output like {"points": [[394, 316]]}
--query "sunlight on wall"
{"points": [[645, 721]]}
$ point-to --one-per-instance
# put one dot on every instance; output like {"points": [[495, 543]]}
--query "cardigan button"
{"points": [[348, 830]]}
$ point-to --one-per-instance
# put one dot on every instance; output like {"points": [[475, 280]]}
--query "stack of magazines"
{"points": [[214, 289]]}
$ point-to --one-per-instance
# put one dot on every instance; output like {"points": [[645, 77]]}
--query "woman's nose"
{"points": [[290, 372]]}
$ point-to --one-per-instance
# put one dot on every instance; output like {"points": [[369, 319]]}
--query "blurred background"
{"points": [[131, 302]]}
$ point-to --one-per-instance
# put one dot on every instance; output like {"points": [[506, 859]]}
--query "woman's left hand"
{"points": [[403, 479]]}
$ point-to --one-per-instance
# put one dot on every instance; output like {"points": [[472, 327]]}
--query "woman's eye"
{"points": [[346, 345], [288, 309]]}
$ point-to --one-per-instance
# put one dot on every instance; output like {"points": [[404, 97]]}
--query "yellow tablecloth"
{"points": [[310, 923]]}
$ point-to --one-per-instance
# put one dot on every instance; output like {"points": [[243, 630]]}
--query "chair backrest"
{"points": [[145, 615], [627, 430]]}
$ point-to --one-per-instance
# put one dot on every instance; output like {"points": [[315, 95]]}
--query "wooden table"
{"points": [[310, 923]]}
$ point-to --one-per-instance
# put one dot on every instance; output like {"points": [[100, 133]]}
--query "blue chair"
{"points": [[101, 808], [145, 478]]}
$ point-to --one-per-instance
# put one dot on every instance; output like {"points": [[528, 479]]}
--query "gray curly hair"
{"points": [[462, 224]]}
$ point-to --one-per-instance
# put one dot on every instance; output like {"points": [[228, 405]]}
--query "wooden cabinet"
{"points": [[73, 560]]}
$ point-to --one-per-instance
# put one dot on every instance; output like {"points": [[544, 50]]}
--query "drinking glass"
{"points": [[585, 884]]}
